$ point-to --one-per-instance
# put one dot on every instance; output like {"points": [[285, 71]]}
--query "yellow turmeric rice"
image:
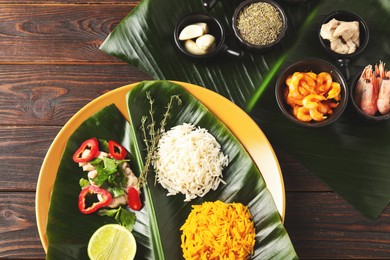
{"points": [[218, 230]]}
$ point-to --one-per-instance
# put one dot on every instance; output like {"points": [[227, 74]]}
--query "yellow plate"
{"points": [[241, 125]]}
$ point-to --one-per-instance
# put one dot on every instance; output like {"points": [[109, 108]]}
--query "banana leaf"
{"points": [[68, 230], [157, 226], [351, 156]]}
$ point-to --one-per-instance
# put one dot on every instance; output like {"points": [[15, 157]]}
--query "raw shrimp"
{"points": [[367, 88], [361, 82], [383, 102], [368, 103]]}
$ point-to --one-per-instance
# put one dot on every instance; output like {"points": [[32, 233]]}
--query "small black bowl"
{"points": [[317, 66], [354, 100], [259, 47], [215, 28], [343, 59]]}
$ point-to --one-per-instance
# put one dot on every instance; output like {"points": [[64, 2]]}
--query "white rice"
{"points": [[189, 161]]}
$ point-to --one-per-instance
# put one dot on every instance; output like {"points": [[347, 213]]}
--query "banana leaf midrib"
{"points": [[148, 197]]}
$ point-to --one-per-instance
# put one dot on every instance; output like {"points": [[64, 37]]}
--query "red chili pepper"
{"points": [[117, 151], [92, 145], [134, 199], [91, 189]]}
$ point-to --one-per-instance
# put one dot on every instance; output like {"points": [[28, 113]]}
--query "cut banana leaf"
{"points": [[350, 156], [158, 223], [68, 230]]}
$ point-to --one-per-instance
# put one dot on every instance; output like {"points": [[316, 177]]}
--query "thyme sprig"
{"points": [[151, 143]]}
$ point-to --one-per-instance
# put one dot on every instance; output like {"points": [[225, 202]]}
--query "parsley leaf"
{"points": [[122, 216], [110, 165], [83, 183]]}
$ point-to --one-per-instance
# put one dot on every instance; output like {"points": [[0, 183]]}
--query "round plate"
{"points": [[239, 123]]}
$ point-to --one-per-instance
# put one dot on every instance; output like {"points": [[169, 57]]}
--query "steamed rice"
{"points": [[189, 161]]}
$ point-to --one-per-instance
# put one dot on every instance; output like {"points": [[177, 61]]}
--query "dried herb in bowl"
{"points": [[259, 23]]}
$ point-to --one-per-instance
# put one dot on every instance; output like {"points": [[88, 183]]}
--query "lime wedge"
{"points": [[112, 241]]}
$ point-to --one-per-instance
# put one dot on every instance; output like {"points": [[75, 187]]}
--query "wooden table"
{"points": [[50, 67]]}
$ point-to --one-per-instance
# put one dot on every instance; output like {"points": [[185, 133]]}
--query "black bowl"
{"points": [[375, 118], [215, 28], [259, 47], [317, 66], [346, 16], [343, 59]]}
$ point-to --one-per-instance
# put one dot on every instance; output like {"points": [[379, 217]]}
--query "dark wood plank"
{"points": [[19, 235], [51, 33], [22, 150], [323, 225], [51, 94]]}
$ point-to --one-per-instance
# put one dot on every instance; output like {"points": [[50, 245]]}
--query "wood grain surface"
{"points": [[51, 66]]}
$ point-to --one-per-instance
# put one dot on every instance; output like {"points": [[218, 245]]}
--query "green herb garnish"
{"points": [[155, 134], [123, 217]]}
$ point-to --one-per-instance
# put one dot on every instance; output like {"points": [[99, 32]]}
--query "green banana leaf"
{"points": [[157, 226], [351, 156], [68, 230]]}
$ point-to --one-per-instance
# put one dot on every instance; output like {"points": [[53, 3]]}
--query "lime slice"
{"points": [[112, 241]]}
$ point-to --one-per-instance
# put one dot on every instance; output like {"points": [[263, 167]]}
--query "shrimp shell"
{"points": [[383, 101]]}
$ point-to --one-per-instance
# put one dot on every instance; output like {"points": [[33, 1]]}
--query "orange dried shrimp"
{"points": [[312, 96]]}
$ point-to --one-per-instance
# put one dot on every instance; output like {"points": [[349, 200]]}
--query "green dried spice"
{"points": [[259, 23]]}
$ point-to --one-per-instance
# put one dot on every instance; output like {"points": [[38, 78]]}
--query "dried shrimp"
{"points": [[312, 96]]}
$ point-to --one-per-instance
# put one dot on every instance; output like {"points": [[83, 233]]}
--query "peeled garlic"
{"points": [[206, 42], [204, 26], [190, 32], [193, 48]]}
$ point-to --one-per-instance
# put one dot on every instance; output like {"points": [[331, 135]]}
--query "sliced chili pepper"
{"points": [[91, 189], [117, 151], [92, 145], [134, 198]]}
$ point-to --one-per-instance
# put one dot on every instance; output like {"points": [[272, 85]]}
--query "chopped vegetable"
{"points": [[117, 151], [88, 150], [91, 189], [134, 199]]}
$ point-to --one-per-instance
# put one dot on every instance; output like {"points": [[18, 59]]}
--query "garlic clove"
{"points": [[193, 48], [190, 32], [205, 42], [204, 26]]}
